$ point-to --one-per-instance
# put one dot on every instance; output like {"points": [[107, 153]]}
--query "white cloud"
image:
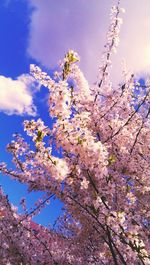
{"points": [[57, 26], [16, 95]]}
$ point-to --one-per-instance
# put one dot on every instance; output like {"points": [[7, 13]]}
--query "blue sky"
{"points": [[14, 29], [35, 31]]}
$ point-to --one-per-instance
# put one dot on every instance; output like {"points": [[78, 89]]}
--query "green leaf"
{"points": [[111, 159], [39, 136]]}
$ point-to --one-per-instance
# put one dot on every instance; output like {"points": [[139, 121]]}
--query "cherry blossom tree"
{"points": [[102, 177]]}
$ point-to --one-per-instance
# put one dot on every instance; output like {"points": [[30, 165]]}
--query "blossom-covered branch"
{"points": [[102, 177]]}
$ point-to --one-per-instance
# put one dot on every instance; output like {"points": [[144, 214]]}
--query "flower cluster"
{"points": [[102, 177]]}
